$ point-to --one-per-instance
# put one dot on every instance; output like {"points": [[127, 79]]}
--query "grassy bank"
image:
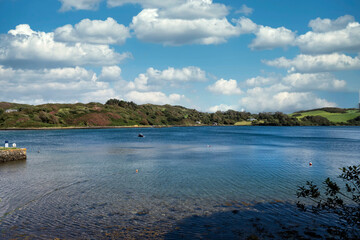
{"points": [[9, 148], [332, 114]]}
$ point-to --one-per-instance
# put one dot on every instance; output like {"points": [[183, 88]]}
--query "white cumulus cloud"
{"points": [[79, 5], [332, 38], [23, 47], [246, 25], [314, 81], [222, 108], [269, 38], [182, 9], [260, 81], [327, 25], [93, 31], [317, 63], [225, 87], [52, 85], [153, 97], [265, 99], [154, 78], [110, 73], [149, 26], [194, 9]]}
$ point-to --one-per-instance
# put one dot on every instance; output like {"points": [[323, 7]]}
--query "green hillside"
{"points": [[113, 113], [120, 113], [335, 115]]}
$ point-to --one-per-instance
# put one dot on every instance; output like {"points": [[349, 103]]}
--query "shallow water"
{"points": [[84, 184]]}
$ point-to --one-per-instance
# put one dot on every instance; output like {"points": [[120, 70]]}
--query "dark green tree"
{"points": [[112, 101], [343, 203]]}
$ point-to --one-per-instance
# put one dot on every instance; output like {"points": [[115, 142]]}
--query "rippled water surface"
{"points": [[191, 182]]}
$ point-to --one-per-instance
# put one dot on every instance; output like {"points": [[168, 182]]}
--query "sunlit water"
{"points": [[83, 184]]}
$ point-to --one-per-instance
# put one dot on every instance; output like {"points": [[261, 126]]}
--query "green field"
{"points": [[9, 148], [243, 123], [333, 117]]}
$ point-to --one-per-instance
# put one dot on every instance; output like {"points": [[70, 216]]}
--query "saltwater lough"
{"points": [[193, 182]]}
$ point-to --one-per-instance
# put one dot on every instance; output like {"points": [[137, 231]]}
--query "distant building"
{"points": [[10, 110]]}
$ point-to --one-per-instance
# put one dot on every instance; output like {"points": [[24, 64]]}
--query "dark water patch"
{"points": [[260, 221]]}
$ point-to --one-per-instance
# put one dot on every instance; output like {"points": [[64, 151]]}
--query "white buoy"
{"points": [[14, 145]]}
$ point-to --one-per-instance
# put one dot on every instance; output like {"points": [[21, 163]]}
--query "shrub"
{"points": [[344, 204]]}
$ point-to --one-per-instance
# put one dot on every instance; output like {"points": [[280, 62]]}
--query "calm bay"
{"points": [[212, 182]]}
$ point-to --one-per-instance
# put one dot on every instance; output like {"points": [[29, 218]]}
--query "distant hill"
{"points": [[334, 115], [113, 113], [116, 113]]}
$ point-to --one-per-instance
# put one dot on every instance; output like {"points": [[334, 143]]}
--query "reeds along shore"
{"points": [[12, 154]]}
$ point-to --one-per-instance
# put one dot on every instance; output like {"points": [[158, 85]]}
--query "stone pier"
{"points": [[8, 155]]}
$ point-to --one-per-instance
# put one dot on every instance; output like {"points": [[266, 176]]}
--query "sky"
{"points": [[245, 55]]}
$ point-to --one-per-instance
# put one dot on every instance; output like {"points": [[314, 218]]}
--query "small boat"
{"points": [[141, 135]]}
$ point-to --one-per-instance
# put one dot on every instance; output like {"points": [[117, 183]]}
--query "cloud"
{"points": [[245, 10], [96, 32], [260, 81], [246, 26], [332, 40], [25, 48], [221, 107], [110, 73], [195, 9], [327, 25], [154, 78], [153, 97], [265, 37], [79, 5], [317, 81], [289, 93], [145, 3], [52, 85], [171, 74], [149, 26], [317, 63], [182, 9], [225, 87], [140, 83], [269, 38], [265, 99]]}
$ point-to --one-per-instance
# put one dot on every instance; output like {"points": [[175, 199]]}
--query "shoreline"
{"points": [[157, 126], [105, 127]]}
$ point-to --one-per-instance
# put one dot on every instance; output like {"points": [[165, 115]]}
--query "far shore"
{"points": [[106, 127], [153, 126]]}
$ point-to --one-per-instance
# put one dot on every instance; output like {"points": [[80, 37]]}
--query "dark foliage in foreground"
{"points": [[343, 203]]}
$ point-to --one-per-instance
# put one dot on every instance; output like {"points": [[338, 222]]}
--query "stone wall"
{"points": [[12, 155]]}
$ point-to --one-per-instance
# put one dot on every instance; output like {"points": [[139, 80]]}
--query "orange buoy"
{"points": [[137, 170]]}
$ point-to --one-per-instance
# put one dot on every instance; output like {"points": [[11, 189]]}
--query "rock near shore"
{"points": [[12, 155]]}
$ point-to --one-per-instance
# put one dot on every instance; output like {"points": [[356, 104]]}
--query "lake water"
{"points": [[212, 182]]}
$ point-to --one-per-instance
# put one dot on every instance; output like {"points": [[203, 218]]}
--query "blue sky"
{"points": [[253, 55]]}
